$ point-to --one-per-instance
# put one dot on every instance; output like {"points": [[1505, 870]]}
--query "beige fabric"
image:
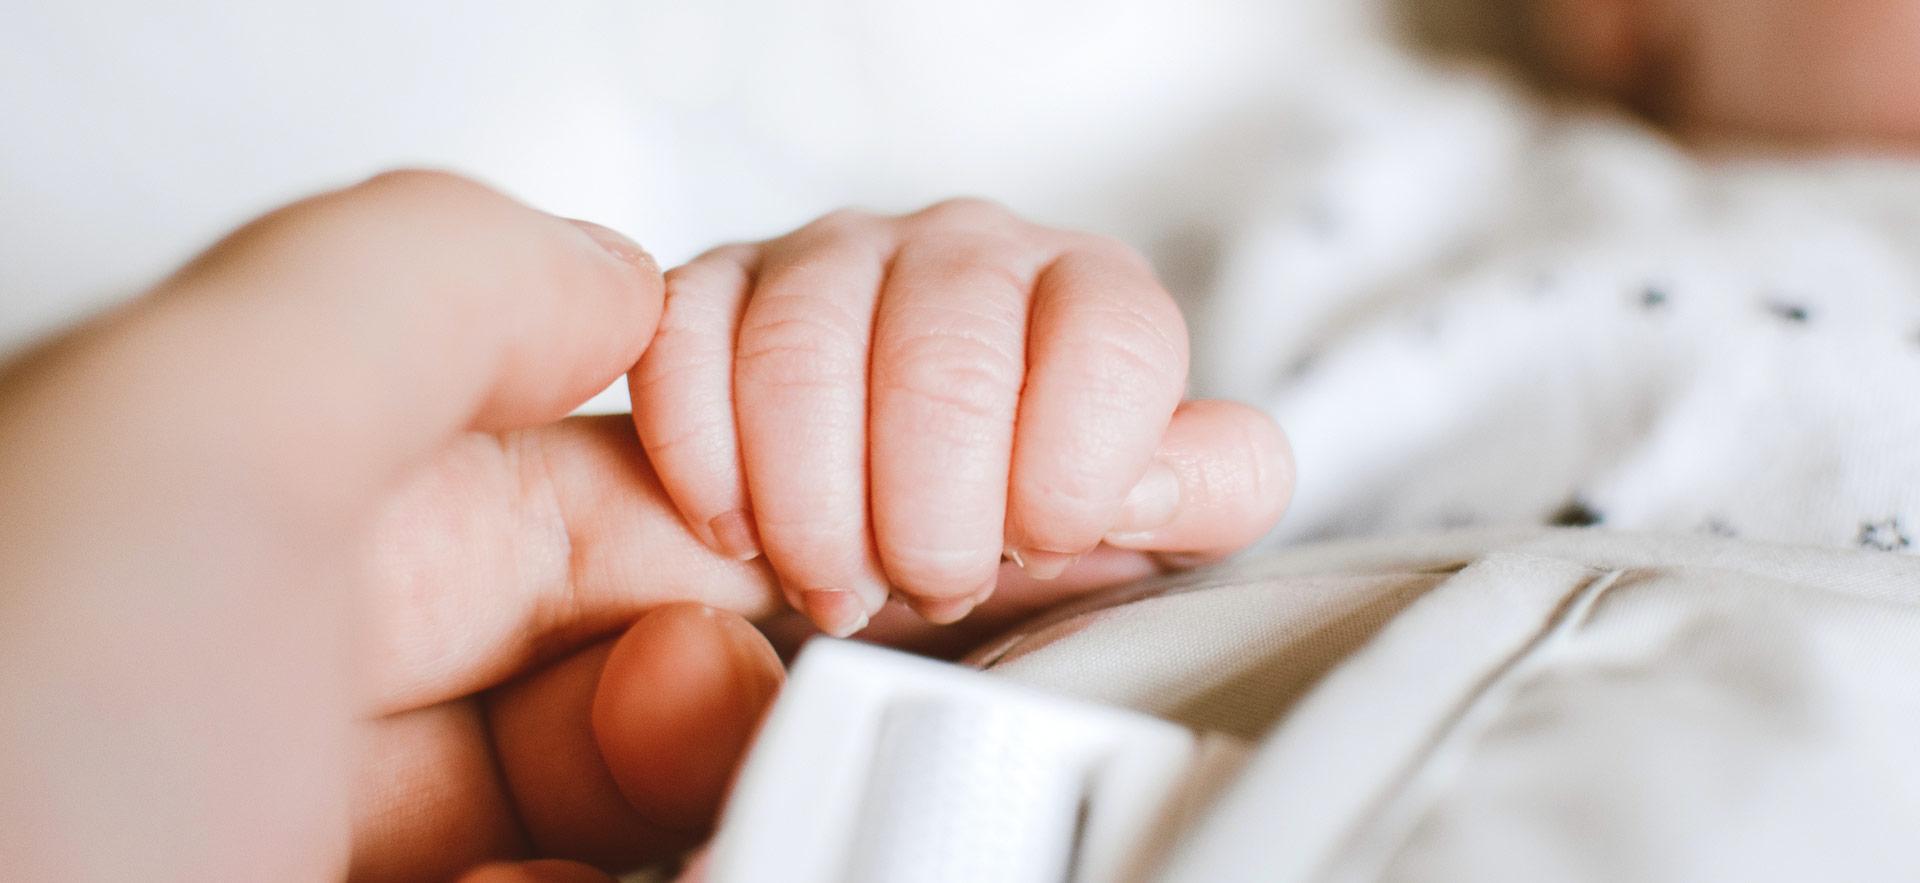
{"points": [[1261, 649], [1555, 705]]}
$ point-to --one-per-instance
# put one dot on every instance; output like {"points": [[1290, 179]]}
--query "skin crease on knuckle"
{"points": [[974, 378], [797, 351], [1148, 330], [1153, 330]]}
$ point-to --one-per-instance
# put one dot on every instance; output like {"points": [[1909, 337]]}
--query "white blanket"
{"points": [[1469, 309]]}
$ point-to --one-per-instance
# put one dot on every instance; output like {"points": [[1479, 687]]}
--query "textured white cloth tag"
{"points": [[879, 766]]}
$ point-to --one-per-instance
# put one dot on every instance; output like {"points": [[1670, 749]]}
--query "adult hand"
{"points": [[305, 576]]}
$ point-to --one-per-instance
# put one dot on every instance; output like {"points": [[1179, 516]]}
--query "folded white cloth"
{"points": [[1565, 705], [1473, 705]]}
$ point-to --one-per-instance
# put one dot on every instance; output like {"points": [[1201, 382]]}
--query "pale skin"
{"points": [[308, 575], [886, 404]]}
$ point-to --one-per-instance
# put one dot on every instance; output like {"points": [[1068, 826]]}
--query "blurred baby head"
{"points": [[1809, 70]]}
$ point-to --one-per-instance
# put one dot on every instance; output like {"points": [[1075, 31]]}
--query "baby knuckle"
{"points": [[966, 211], [963, 401], [973, 379], [1141, 343], [687, 324], [695, 279], [733, 254], [844, 221], [797, 350], [684, 443], [990, 271], [429, 183], [672, 368], [1115, 374], [1105, 247]]}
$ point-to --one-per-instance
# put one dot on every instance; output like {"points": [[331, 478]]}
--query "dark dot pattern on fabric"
{"points": [[1789, 312], [1887, 536], [1718, 527], [1302, 366], [1576, 513]]}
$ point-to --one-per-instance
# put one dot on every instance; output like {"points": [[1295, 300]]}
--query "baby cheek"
{"points": [[1592, 44], [1837, 70], [1883, 68]]}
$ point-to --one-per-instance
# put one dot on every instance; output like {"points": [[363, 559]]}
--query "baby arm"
{"points": [[887, 405]]}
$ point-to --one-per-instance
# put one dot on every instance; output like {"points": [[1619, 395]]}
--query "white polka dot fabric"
{"points": [[1470, 309]]}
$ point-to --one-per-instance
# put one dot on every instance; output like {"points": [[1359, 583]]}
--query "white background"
{"points": [[132, 133]]}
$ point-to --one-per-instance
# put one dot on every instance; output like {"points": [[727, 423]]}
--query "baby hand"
{"points": [[887, 404]]}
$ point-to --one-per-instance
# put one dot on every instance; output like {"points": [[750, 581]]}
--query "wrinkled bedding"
{"points": [[1526, 705]]}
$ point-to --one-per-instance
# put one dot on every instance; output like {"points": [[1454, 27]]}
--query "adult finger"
{"points": [[621, 754], [682, 393], [381, 318], [616, 755], [1220, 480], [509, 551], [229, 433], [679, 701]]}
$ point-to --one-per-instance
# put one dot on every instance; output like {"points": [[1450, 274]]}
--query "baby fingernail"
{"points": [[1152, 502], [838, 613], [942, 611], [1044, 565], [734, 535]]}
